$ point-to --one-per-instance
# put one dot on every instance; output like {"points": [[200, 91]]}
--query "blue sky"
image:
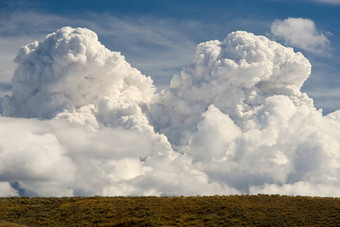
{"points": [[159, 37]]}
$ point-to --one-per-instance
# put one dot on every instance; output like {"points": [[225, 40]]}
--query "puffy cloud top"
{"points": [[68, 70], [239, 113], [236, 75]]}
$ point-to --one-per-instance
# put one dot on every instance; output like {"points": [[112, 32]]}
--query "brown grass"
{"points": [[261, 210]]}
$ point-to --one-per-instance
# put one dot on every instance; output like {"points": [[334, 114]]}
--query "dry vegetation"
{"points": [[261, 210]]}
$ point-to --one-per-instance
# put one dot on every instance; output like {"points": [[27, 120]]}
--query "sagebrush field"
{"points": [[260, 210]]}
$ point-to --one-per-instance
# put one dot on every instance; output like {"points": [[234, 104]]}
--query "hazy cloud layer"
{"points": [[82, 121], [301, 33], [332, 2]]}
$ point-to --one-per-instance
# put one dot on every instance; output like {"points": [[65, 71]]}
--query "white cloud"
{"points": [[303, 34], [155, 46], [60, 158], [71, 69], [6, 190], [299, 188], [235, 121], [99, 140], [239, 112]]}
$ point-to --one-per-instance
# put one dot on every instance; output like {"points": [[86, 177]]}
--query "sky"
{"points": [[169, 97], [159, 37]]}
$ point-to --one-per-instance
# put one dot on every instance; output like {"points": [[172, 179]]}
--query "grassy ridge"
{"points": [[263, 210]]}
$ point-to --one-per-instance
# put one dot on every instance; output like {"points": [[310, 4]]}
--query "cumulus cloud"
{"points": [[60, 158], [156, 47], [239, 112], [303, 34], [71, 69], [82, 121], [76, 124]]}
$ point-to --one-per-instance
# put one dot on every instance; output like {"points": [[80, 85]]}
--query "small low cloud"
{"points": [[303, 34]]}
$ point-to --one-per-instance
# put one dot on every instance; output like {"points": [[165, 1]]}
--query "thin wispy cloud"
{"points": [[331, 2]]}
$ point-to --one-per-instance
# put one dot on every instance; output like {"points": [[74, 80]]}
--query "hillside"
{"points": [[261, 210]]}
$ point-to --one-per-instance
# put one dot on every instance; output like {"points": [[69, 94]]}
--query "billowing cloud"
{"points": [[93, 136], [69, 70], [82, 121], [60, 158], [303, 34], [157, 47], [239, 113]]}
